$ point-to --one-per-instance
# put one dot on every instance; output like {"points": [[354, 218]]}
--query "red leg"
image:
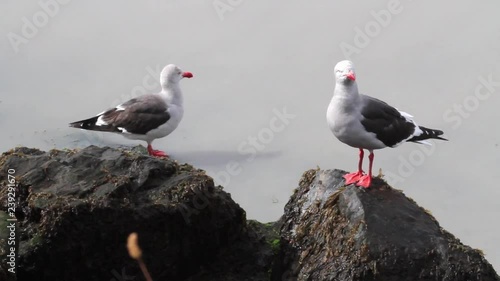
{"points": [[156, 153], [366, 180], [354, 177]]}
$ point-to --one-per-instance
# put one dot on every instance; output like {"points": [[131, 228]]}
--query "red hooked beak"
{"points": [[187, 74], [351, 76]]}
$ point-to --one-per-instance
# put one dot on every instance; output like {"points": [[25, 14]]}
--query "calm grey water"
{"points": [[255, 110]]}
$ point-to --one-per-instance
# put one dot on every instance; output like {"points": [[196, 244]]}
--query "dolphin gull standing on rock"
{"points": [[146, 117], [364, 122]]}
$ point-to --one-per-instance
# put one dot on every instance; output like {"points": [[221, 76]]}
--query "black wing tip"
{"points": [[441, 138], [435, 134], [428, 134], [75, 124], [87, 124]]}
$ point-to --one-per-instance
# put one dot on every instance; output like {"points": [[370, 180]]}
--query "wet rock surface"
{"points": [[333, 232], [76, 209]]}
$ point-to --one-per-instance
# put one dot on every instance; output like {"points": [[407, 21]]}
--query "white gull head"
{"points": [[344, 72], [172, 74]]}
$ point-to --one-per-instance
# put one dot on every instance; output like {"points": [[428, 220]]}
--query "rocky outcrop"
{"points": [[333, 232], [76, 209]]}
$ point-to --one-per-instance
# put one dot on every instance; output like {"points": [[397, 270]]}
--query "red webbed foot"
{"points": [[353, 177], [156, 153], [365, 181]]}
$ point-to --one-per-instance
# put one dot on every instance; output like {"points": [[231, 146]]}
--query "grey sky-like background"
{"points": [[252, 59]]}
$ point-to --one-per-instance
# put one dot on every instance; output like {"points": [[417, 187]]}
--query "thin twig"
{"points": [[144, 270], [135, 252]]}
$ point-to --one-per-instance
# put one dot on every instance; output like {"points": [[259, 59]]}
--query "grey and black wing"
{"points": [[386, 122], [391, 126], [136, 116]]}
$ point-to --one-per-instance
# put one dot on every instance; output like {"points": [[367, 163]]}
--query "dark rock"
{"points": [[332, 232], [76, 209], [248, 259]]}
